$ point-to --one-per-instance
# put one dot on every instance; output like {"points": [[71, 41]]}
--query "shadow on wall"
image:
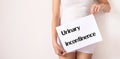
{"points": [[109, 26]]}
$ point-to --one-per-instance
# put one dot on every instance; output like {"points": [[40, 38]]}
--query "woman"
{"points": [[65, 10]]}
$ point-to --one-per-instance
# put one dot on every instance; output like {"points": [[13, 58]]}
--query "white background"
{"points": [[25, 30]]}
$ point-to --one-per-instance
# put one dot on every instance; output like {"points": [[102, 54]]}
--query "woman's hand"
{"points": [[58, 49], [95, 8]]}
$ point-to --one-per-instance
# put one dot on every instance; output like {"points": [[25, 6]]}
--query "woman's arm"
{"points": [[56, 22], [55, 18], [103, 5]]}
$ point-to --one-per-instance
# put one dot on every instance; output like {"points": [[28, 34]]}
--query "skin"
{"points": [[102, 5]]}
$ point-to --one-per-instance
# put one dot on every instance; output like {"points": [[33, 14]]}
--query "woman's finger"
{"points": [[60, 50], [95, 8], [92, 9], [98, 8]]}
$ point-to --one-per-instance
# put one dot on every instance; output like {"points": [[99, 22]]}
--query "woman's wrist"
{"points": [[54, 41]]}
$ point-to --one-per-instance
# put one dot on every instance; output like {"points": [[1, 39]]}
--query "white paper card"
{"points": [[79, 33]]}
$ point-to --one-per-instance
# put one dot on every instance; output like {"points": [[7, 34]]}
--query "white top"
{"points": [[73, 9]]}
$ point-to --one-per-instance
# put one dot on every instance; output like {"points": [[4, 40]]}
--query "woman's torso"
{"points": [[73, 9]]}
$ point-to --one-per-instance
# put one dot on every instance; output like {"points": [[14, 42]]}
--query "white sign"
{"points": [[79, 33]]}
